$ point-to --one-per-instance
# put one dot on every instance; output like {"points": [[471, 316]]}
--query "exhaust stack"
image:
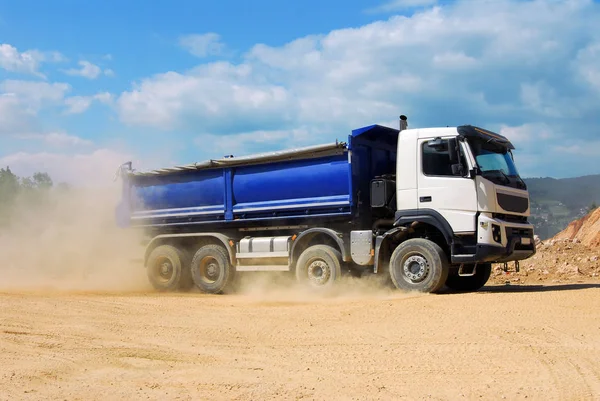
{"points": [[403, 123]]}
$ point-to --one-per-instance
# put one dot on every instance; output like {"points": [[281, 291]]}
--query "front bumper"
{"points": [[499, 241]]}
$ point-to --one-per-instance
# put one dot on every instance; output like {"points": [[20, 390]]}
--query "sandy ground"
{"points": [[505, 342]]}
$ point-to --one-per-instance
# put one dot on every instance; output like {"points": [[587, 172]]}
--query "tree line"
{"points": [[18, 191]]}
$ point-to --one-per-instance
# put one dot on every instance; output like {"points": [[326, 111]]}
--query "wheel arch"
{"points": [[413, 224], [325, 236], [427, 217]]}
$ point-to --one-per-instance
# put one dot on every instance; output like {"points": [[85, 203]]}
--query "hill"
{"points": [[555, 203], [585, 230]]}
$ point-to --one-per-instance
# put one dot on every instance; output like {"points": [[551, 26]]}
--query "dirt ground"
{"points": [[535, 341]]}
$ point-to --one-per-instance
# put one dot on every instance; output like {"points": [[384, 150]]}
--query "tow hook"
{"points": [[517, 267]]}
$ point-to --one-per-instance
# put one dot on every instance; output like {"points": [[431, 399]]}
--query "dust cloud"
{"points": [[70, 241], [281, 287]]}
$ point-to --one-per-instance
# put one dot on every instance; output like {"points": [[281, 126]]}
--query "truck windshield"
{"points": [[496, 164]]}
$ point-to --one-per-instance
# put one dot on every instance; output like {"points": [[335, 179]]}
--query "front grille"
{"points": [[519, 232], [512, 203]]}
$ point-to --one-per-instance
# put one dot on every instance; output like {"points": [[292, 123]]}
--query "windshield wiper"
{"points": [[520, 181], [503, 174]]}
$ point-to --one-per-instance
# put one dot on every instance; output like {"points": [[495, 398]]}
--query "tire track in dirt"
{"points": [[567, 359]]}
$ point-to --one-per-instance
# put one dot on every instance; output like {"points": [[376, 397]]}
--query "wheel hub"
{"points": [[416, 268], [165, 269], [209, 269], [318, 272]]}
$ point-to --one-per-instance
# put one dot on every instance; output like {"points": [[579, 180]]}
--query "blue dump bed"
{"points": [[319, 182]]}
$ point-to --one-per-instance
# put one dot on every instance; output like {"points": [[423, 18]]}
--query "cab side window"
{"points": [[436, 161]]}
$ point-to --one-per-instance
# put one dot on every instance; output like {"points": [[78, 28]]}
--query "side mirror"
{"points": [[453, 150], [458, 169]]}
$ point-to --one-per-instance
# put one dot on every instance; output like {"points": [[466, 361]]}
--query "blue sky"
{"points": [[85, 86]]}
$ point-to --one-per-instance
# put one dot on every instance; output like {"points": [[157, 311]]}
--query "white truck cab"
{"points": [[460, 183]]}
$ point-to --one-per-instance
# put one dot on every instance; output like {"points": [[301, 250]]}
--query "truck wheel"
{"points": [[319, 266], [168, 269], [419, 265], [470, 283], [211, 270]]}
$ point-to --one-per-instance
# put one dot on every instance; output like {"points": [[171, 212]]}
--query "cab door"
{"points": [[452, 196]]}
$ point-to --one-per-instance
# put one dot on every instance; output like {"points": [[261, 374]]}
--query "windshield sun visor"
{"points": [[470, 131]]}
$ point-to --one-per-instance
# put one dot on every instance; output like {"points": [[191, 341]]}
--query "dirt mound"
{"points": [[556, 260], [586, 229]]}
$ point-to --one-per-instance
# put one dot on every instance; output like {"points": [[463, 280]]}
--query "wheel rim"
{"points": [[415, 268], [209, 270], [318, 272], [164, 270]]}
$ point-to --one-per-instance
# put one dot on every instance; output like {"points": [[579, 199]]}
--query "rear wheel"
{"points": [[211, 270], [419, 265], [471, 283], [319, 266], [168, 269]]}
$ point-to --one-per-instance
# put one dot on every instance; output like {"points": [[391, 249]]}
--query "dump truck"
{"points": [[425, 208]]}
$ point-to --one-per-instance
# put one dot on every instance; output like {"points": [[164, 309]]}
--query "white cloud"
{"points": [[33, 93], [170, 98], [104, 97], [252, 142], [13, 117], [27, 62], [21, 101], [398, 5], [58, 139], [202, 45], [87, 70], [588, 64], [483, 63], [528, 133], [79, 104]]}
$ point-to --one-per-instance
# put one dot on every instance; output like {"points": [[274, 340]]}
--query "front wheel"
{"points": [[419, 265], [471, 283], [319, 266]]}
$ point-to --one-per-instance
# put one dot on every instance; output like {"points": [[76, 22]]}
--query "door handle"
{"points": [[425, 199]]}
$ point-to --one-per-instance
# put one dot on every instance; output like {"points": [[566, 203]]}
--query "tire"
{"points": [[422, 254], [319, 266], [470, 283], [168, 269], [211, 269]]}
